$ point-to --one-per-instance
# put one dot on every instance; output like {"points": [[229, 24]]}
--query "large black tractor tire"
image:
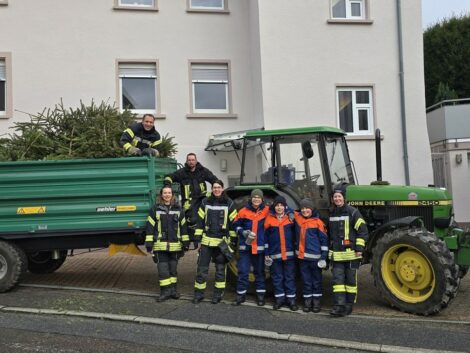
{"points": [[41, 262], [11, 265], [414, 271]]}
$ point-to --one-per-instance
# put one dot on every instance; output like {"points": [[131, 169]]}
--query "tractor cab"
{"points": [[296, 163]]}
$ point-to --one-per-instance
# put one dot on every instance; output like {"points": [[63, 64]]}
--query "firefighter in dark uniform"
{"points": [[167, 238], [192, 180], [348, 236], [141, 138], [214, 232]]}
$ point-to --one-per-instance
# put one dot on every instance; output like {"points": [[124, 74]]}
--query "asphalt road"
{"points": [[22, 333], [413, 333]]}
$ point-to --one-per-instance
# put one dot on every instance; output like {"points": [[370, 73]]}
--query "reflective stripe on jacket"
{"points": [[136, 136], [216, 217], [279, 237], [192, 183], [166, 228], [311, 242], [348, 233], [252, 219]]}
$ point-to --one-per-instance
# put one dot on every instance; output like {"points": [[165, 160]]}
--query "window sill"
{"points": [[135, 8], [3, 4], [5, 116], [362, 137], [157, 116], [211, 116], [223, 11], [349, 21]]}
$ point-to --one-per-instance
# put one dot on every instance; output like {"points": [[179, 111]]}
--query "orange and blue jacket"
{"points": [[311, 241], [252, 219], [279, 237]]}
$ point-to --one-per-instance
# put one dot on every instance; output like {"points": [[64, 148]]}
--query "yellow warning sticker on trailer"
{"points": [[31, 210], [130, 208]]}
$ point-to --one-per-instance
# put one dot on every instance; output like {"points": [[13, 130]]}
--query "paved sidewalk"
{"points": [[124, 272]]}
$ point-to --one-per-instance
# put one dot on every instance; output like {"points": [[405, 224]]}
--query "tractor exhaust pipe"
{"points": [[378, 155]]}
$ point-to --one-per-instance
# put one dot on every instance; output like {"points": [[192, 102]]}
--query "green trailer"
{"points": [[50, 207]]}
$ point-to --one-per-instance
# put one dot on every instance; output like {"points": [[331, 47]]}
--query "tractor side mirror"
{"points": [[307, 149]]}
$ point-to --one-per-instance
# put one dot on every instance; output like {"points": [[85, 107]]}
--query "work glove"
{"points": [[322, 264], [134, 151], [249, 239], [150, 152], [196, 245], [246, 233], [148, 246], [291, 216], [185, 246], [268, 261]]}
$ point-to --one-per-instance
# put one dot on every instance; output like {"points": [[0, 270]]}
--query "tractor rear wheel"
{"points": [[42, 262], [415, 271], [11, 265]]}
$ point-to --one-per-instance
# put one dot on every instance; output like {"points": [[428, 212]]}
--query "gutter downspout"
{"points": [[402, 94]]}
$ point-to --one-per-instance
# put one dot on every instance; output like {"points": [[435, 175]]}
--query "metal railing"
{"points": [[447, 102]]}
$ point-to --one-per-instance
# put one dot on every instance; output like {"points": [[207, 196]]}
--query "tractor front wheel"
{"points": [[415, 271]]}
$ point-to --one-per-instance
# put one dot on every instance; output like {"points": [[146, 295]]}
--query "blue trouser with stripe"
{"points": [[311, 278], [246, 260], [283, 277]]}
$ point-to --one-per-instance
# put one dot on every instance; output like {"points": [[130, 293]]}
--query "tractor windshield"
{"points": [[299, 159], [257, 162], [338, 161]]}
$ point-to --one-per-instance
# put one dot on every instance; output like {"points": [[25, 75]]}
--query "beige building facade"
{"points": [[206, 67]]}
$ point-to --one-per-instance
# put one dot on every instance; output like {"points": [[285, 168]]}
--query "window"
{"points": [[210, 88], [207, 4], [348, 9], [355, 110], [5, 86], [136, 4], [138, 87]]}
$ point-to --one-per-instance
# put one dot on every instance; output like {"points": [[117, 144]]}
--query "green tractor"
{"points": [[417, 252]]}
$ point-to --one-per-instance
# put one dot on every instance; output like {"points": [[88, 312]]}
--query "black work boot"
{"points": [[198, 296], [164, 294], [239, 299], [174, 293], [217, 296], [338, 310], [348, 309], [278, 304], [292, 305], [316, 305], [307, 305], [260, 299]]}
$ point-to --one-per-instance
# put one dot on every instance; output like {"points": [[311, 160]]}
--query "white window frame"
{"points": [[225, 82], [119, 5], [5, 58], [222, 8], [355, 109], [349, 16], [156, 109]]}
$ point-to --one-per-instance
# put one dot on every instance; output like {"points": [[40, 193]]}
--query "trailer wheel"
{"points": [[415, 271], [11, 265], [42, 262]]}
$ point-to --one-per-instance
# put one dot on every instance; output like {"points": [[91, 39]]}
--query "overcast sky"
{"points": [[436, 10]]}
